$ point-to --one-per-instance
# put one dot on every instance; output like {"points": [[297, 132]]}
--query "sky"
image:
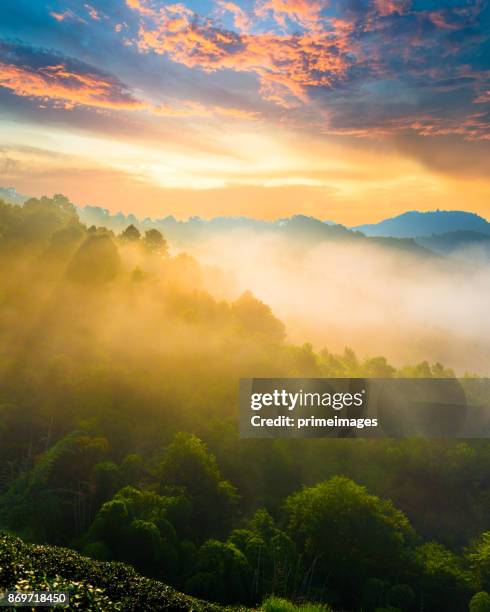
{"points": [[347, 110]]}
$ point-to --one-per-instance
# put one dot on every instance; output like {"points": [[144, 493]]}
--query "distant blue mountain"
{"points": [[301, 230], [11, 196], [413, 224], [196, 228], [457, 229]]}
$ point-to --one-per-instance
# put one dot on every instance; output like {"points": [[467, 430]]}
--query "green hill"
{"points": [[93, 585]]}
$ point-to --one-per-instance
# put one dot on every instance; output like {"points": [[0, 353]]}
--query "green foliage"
{"points": [[373, 594], [400, 596], [96, 262], [155, 243], [444, 579], [99, 374], [271, 553], [222, 574], [131, 470], [96, 586], [134, 526], [187, 463], [348, 535], [257, 318], [480, 602], [131, 234], [53, 486], [276, 604], [83, 595], [479, 557]]}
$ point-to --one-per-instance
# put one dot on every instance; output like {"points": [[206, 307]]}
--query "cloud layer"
{"points": [[383, 66], [48, 76], [256, 94]]}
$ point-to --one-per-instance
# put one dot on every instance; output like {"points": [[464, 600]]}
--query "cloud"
{"points": [[66, 15], [241, 20], [65, 82], [286, 64], [93, 13], [303, 12], [390, 7], [189, 108], [340, 56]]}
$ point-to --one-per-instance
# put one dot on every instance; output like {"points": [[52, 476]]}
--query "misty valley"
{"points": [[119, 361]]}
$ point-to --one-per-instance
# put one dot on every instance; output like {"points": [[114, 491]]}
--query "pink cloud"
{"points": [[66, 87], [286, 64], [241, 20], [92, 12], [390, 7], [304, 12]]}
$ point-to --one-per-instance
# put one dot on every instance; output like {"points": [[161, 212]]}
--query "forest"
{"points": [[119, 370]]}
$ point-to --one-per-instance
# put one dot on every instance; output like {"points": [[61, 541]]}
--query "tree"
{"points": [[378, 367], [131, 234], [145, 545], [106, 481], [444, 581], [271, 554], [187, 463], [96, 262], [135, 526], [347, 535], [155, 243], [58, 487], [223, 574], [257, 318], [131, 469], [480, 602], [400, 596], [479, 557]]}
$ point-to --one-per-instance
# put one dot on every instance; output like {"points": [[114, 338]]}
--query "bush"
{"points": [[277, 604], [95, 585], [480, 602], [400, 596]]}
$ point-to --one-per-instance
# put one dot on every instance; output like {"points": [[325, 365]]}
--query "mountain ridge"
{"points": [[414, 224], [411, 224]]}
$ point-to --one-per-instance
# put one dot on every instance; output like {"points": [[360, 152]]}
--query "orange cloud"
{"points": [[66, 15], [285, 64], [471, 127], [58, 16], [92, 12], [440, 21], [68, 88], [390, 7], [240, 18], [304, 12], [483, 98]]}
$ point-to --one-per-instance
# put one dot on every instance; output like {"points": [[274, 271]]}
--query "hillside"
{"points": [[459, 243], [415, 223], [298, 229], [93, 585], [118, 437]]}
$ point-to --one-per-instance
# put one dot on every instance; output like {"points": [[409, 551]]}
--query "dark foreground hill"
{"points": [[94, 585]]}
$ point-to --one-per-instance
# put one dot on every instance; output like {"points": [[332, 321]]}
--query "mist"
{"points": [[376, 299]]}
